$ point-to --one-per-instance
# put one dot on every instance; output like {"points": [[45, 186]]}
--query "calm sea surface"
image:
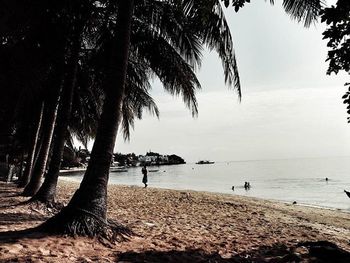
{"points": [[300, 180]]}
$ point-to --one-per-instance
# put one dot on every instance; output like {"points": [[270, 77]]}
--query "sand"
{"points": [[176, 226]]}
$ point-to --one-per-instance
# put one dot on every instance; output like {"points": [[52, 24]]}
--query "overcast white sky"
{"points": [[289, 109]]}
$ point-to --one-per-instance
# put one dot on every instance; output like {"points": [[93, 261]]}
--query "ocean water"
{"points": [[300, 180]]}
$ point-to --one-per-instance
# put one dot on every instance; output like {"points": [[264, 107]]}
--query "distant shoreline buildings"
{"points": [[80, 158], [149, 159]]}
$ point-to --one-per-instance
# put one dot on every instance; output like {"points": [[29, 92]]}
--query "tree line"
{"points": [[83, 69]]}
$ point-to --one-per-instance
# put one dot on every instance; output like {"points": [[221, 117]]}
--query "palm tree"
{"points": [[54, 84], [306, 11], [68, 26], [24, 180], [47, 132], [86, 212], [47, 191], [23, 66], [135, 100], [33, 31], [84, 122]]}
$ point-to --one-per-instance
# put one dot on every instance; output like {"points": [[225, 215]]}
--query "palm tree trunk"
{"points": [[30, 160], [20, 172], [86, 212], [47, 191], [39, 169], [37, 152]]}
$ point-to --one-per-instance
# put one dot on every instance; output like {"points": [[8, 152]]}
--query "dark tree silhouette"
{"points": [[338, 35], [86, 212], [47, 191], [24, 180], [48, 127], [206, 26]]}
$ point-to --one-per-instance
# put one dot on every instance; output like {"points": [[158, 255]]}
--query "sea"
{"points": [[289, 180]]}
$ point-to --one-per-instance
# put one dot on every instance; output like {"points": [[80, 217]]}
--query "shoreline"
{"points": [[233, 194], [176, 226]]}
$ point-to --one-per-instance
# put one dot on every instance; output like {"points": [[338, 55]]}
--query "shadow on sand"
{"points": [[278, 253], [11, 237], [11, 191], [315, 252], [10, 218]]}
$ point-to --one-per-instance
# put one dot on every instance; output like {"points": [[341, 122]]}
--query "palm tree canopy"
{"points": [[168, 38], [306, 11]]}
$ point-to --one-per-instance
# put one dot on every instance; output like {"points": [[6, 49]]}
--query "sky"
{"points": [[290, 108]]}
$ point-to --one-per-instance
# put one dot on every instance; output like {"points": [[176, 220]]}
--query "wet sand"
{"points": [[176, 226]]}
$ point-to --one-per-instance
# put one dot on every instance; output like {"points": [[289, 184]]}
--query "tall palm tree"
{"points": [[35, 31], [86, 212], [24, 180], [47, 132], [23, 65], [47, 191], [136, 95]]}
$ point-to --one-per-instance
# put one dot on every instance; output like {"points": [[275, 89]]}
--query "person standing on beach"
{"points": [[144, 172]]}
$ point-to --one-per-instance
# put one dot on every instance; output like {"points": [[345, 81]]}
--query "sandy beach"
{"points": [[177, 226]]}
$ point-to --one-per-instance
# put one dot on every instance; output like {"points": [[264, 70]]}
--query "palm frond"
{"points": [[306, 11], [170, 21], [209, 20], [170, 67], [135, 101]]}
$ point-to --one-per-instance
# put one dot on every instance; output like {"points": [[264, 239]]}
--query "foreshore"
{"points": [[177, 226]]}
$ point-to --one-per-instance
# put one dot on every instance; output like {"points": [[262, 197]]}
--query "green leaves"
{"points": [[306, 11], [237, 4], [338, 35]]}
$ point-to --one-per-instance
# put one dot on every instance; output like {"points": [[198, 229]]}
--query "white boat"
{"points": [[118, 169], [73, 170]]}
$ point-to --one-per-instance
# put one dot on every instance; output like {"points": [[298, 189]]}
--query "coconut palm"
{"points": [[23, 67], [33, 32], [24, 180], [306, 11], [136, 95], [72, 23], [86, 114], [47, 132], [47, 190], [86, 212], [337, 33]]}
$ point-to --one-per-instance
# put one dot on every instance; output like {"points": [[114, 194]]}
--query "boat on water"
{"points": [[113, 169], [118, 169], [72, 170], [153, 171], [347, 193], [205, 162]]}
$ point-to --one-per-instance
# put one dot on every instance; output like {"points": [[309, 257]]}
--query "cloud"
{"points": [[279, 123]]}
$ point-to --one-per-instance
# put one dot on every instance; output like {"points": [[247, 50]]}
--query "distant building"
{"points": [[152, 158]]}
